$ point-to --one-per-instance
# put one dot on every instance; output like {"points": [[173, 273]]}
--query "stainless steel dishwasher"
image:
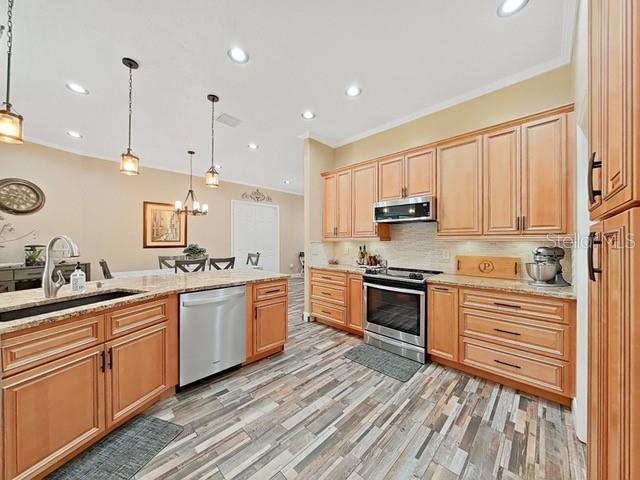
{"points": [[213, 331]]}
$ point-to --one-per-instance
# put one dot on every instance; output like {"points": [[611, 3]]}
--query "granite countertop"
{"points": [[144, 288], [513, 286], [339, 268]]}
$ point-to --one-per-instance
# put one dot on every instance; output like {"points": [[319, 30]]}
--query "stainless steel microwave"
{"points": [[418, 209]]}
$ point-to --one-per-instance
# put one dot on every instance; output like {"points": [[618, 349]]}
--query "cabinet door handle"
{"points": [[325, 312], [110, 358], [507, 364], [524, 223], [498, 304], [274, 290], [592, 165], [326, 293], [103, 361], [506, 331], [592, 270], [441, 289], [518, 223]]}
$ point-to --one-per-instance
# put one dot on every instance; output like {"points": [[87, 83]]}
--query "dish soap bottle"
{"points": [[78, 280]]}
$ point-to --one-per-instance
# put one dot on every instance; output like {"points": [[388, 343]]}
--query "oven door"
{"points": [[395, 312]]}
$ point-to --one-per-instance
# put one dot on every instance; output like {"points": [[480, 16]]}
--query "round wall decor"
{"points": [[20, 197]]}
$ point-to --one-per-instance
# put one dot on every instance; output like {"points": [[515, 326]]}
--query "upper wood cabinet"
{"points": [[330, 207], [459, 205], [365, 194], [502, 182], [337, 205], [442, 334], [420, 173], [614, 89], [544, 175], [410, 175], [391, 173]]}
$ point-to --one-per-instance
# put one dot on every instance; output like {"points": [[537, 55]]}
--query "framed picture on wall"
{"points": [[163, 227]]}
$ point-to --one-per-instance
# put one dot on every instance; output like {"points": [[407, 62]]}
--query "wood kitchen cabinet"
{"points": [[459, 205], [442, 324], [501, 175], [64, 388], [365, 194], [137, 370], [614, 357], [337, 299], [614, 83], [355, 316], [267, 319], [337, 205], [270, 329], [545, 192], [52, 410], [409, 175]]}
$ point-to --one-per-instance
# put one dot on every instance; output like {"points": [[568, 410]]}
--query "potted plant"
{"points": [[194, 251]]}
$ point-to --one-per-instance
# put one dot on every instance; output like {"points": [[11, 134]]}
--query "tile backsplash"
{"points": [[415, 245]]}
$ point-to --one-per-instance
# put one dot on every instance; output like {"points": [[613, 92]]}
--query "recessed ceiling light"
{"points": [[74, 134], [511, 7], [308, 115], [253, 146], [287, 182], [353, 91], [77, 88], [238, 55]]}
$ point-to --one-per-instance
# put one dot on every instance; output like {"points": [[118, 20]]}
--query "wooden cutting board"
{"points": [[493, 267]]}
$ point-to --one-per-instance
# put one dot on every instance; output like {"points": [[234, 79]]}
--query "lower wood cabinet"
{"points": [[337, 299], [271, 330], [526, 341], [57, 401], [51, 410], [267, 319], [442, 322], [136, 370], [614, 353]]}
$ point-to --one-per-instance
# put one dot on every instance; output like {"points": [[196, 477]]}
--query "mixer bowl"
{"points": [[541, 272]]}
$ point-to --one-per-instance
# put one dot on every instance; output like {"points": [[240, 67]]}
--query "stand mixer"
{"points": [[546, 270]]}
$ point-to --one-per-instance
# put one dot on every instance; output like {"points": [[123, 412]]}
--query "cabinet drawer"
{"points": [[328, 294], [130, 319], [325, 276], [328, 313], [266, 291], [539, 308], [28, 273], [539, 337], [25, 350], [534, 370]]}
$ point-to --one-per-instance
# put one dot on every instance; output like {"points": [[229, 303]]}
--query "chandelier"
{"points": [[191, 206]]}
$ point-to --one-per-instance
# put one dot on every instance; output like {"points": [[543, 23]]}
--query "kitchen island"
{"points": [[77, 374]]}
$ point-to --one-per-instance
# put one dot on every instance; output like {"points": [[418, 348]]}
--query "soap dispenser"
{"points": [[78, 280]]}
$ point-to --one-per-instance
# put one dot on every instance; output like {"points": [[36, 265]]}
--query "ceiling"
{"points": [[410, 57]]}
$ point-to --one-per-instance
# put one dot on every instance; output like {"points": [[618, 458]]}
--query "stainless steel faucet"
{"points": [[49, 285]]}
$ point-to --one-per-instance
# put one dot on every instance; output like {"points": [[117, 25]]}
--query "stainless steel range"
{"points": [[396, 310]]}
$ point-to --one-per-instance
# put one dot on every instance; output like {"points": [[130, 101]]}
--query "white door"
{"points": [[255, 228]]}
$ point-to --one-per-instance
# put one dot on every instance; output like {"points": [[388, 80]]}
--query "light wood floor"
{"points": [[309, 413]]}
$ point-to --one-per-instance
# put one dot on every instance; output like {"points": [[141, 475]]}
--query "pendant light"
{"points": [[129, 163], [11, 128], [212, 177], [191, 206]]}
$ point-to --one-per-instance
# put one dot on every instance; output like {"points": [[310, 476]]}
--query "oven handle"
{"points": [[394, 289]]}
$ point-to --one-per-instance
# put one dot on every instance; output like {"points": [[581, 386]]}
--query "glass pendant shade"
{"points": [[129, 163], [212, 178], [11, 127]]}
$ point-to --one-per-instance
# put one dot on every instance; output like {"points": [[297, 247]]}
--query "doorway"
{"points": [[255, 227]]}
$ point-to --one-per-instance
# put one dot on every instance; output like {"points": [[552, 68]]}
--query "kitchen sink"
{"points": [[62, 305]]}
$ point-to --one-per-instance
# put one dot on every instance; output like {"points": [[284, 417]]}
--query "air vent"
{"points": [[229, 120]]}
